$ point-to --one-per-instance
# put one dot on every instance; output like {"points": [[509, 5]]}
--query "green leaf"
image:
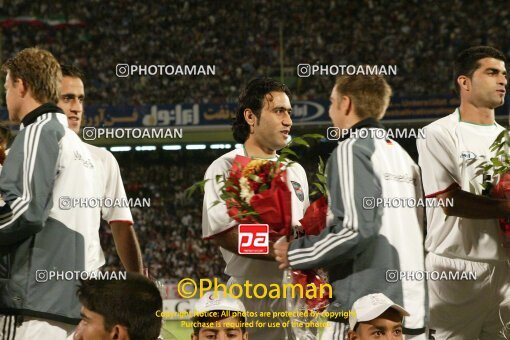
{"points": [[479, 172], [321, 177], [300, 141], [315, 136], [496, 161], [215, 203], [197, 186], [255, 178], [287, 152]]}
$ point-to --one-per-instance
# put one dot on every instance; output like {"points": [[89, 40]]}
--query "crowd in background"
{"points": [[248, 38]]}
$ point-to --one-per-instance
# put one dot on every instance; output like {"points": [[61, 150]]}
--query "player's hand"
{"points": [[280, 253]]}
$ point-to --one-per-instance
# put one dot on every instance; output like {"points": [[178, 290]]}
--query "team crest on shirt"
{"points": [[467, 155], [298, 190]]}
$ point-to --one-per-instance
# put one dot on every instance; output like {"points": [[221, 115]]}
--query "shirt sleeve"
{"points": [[27, 180], [437, 161], [114, 189], [215, 218], [350, 228], [306, 190]]}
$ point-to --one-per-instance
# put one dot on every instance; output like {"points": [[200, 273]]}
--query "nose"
{"points": [[503, 80], [221, 336], [76, 106], [287, 120]]}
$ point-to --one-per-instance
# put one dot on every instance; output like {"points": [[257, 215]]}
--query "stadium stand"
{"points": [[420, 37]]}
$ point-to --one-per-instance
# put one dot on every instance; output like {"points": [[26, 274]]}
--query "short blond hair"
{"points": [[39, 71], [369, 94]]}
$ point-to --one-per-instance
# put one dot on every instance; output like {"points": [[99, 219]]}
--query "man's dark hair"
{"points": [[222, 314], [5, 134], [131, 303], [467, 61], [252, 97], [72, 71]]}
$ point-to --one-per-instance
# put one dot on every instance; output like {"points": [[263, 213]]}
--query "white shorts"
{"points": [[463, 310], [35, 328]]}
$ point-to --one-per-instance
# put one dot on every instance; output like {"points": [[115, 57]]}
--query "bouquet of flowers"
{"points": [[255, 191], [499, 165]]}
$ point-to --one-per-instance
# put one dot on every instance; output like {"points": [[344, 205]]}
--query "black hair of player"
{"points": [[252, 97], [5, 135], [467, 61], [222, 314], [72, 71], [132, 303]]}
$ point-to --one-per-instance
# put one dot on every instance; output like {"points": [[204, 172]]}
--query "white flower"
{"points": [[246, 192]]}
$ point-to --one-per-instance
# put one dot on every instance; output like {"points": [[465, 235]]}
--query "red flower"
{"points": [[315, 217], [305, 278], [502, 190]]}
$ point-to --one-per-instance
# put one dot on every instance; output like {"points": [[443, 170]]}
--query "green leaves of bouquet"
{"points": [[500, 163]]}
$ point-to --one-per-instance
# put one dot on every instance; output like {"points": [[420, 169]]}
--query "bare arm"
{"points": [[468, 205], [127, 246], [229, 240]]}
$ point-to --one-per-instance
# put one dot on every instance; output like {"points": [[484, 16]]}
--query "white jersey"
{"points": [[448, 156], [111, 187], [215, 219]]}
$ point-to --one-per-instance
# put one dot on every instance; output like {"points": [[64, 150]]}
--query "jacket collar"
{"points": [[34, 114], [364, 124]]}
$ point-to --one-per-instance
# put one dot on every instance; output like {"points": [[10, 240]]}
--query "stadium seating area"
{"points": [[420, 37]]}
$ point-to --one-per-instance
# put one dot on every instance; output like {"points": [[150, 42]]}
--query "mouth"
{"points": [[285, 133], [502, 91], [73, 118]]}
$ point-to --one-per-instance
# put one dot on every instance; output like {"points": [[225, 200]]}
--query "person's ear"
{"points": [[119, 332], [250, 117], [352, 335], [346, 104], [464, 83], [19, 87]]}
